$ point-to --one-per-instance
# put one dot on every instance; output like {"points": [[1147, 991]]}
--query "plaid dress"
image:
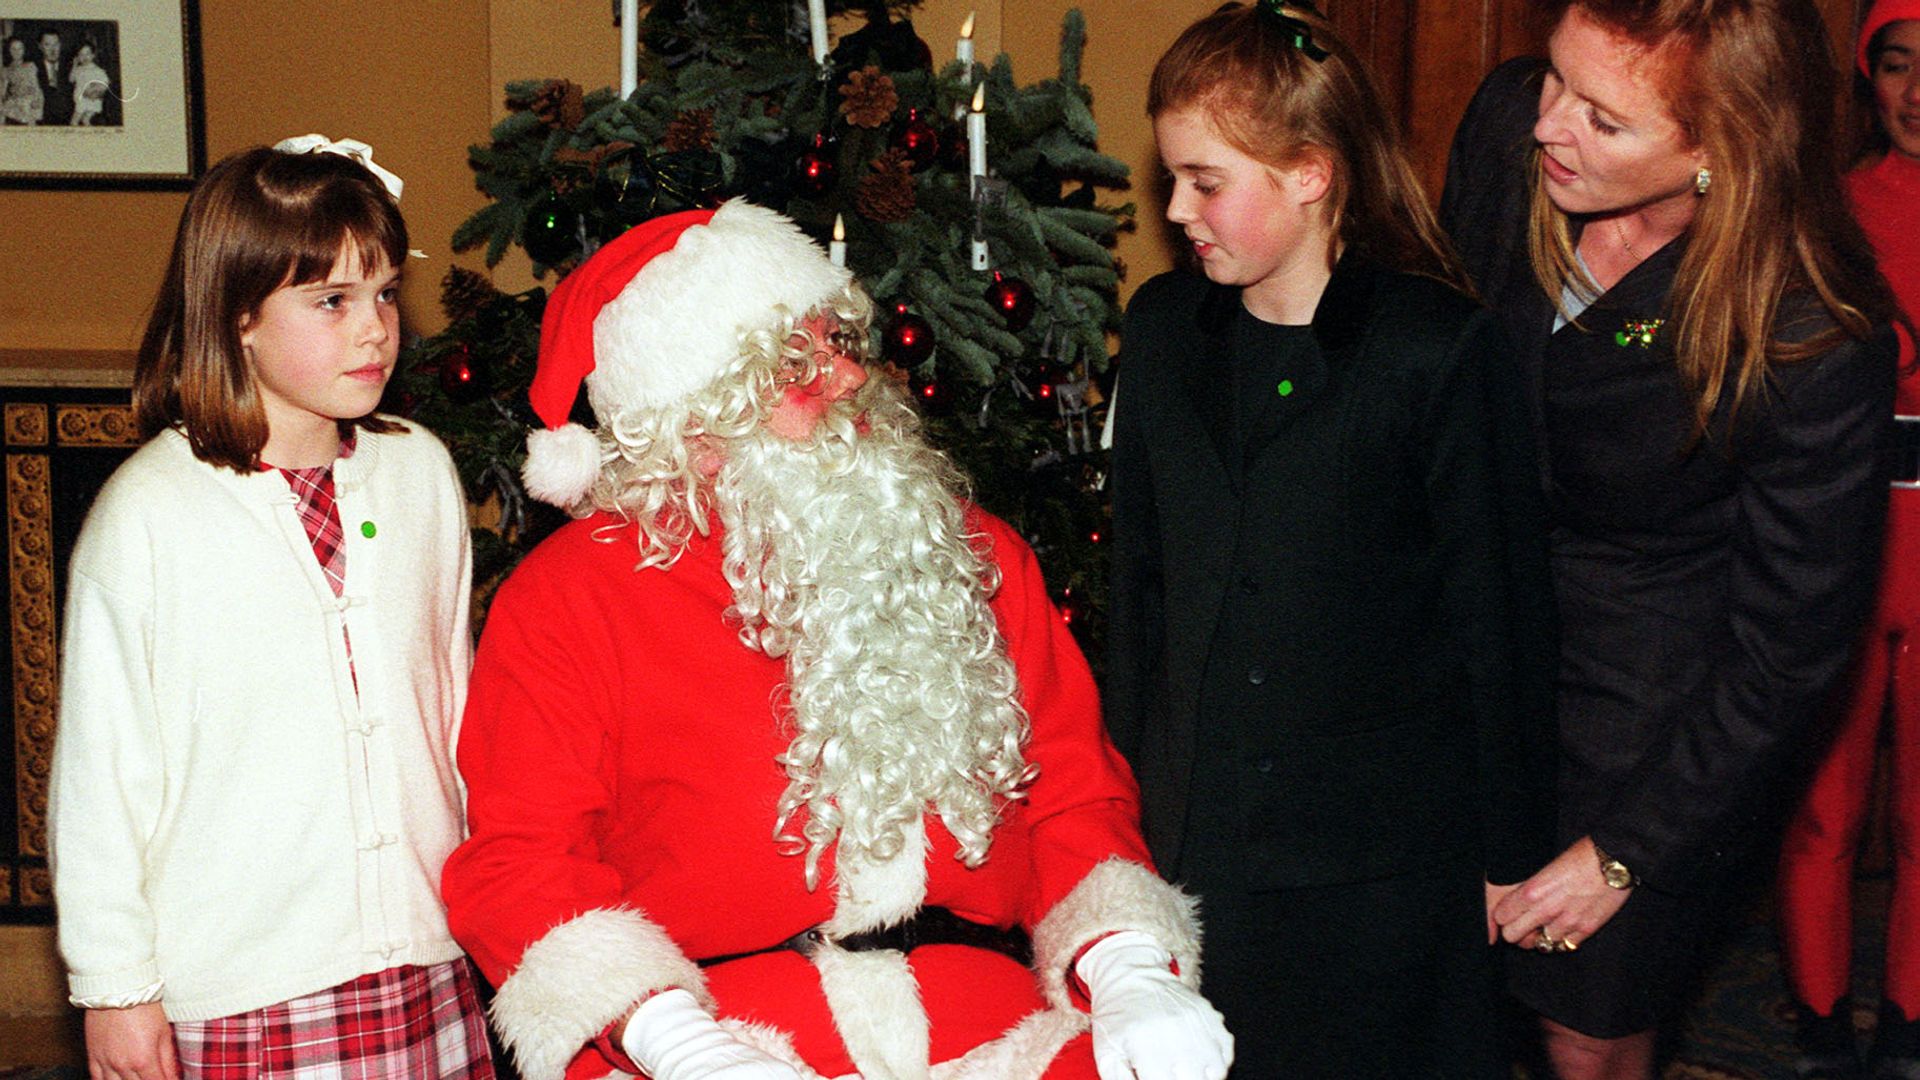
{"points": [[404, 1022], [409, 1022]]}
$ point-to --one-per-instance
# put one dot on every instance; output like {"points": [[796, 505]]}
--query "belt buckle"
{"points": [[808, 942]]}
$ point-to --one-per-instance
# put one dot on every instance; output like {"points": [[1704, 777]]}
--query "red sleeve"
{"points": [[1084, 807], [533, 752]]}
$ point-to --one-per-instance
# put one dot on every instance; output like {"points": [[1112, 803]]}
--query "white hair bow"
{"points": [[352, 149]]}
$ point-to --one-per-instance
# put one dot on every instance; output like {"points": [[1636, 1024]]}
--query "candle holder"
{"points": [[987, 192]]}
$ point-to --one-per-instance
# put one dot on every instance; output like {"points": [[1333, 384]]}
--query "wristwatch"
{"points": [[1614, 871]]}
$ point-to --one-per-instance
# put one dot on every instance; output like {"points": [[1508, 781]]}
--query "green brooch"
{"points": [[1637, 332]]}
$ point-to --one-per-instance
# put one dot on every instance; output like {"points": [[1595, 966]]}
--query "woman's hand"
{"points": [[1568, 900], [1495, 894], [130, 1044]]}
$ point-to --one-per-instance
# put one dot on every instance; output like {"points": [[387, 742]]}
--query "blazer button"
{"points": [[1256, 675], [1264, 765], [1249, 586]]}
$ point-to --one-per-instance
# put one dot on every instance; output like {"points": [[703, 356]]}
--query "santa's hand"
{"points": [[1146, 1022], [672, 1038]]}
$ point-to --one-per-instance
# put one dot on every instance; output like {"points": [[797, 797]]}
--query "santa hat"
{"points": [[1884, 12], [654, 316]]}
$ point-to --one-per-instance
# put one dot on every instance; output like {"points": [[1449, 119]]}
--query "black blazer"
{"points": [[57, 91], [1710, 591], [1331, 665]]}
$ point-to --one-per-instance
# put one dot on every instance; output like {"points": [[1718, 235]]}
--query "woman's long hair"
{"points": [[1271, 99], [1752, 83]]}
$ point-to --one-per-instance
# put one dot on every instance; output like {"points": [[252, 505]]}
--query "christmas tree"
{"points": [[995, 292]]}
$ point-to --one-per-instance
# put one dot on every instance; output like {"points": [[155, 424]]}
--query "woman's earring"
{"points": [[1702, 180]]}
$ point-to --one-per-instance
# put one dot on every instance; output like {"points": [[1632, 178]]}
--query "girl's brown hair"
{"points": [[260, 219], [1277, 96], [1752, 84]]}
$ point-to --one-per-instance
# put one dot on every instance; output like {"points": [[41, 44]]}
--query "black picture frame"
{"points": [[120, 107]]}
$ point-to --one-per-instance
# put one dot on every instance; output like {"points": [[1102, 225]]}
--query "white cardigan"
{"points": [[226, 813]]}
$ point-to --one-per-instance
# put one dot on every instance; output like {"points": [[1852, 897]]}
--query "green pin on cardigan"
{"points": [[1285, 389], [367, 530]]}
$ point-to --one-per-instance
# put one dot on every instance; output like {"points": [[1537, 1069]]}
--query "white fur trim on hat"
{"points": [[679, 322], [562, 464]]}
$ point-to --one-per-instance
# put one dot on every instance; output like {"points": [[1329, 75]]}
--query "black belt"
{"points": [[1906, 452], [931, 926]]}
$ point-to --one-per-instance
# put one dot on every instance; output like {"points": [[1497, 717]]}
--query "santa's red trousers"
{"points": [[1817, 856]]}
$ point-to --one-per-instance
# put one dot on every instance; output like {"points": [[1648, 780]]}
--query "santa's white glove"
{"points": [[672, 1038], [1146, 1022]]}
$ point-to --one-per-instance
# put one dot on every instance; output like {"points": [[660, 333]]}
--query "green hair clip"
{"points": [[1299, 32]]}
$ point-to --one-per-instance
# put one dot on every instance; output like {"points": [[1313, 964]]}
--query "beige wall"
{"points": [[420, 82], [412, 80]]}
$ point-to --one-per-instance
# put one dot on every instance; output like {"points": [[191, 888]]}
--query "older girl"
{"points": [[1327, 587]]}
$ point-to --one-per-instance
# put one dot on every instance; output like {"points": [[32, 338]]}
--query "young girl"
{"points": [[1328, 599], [265, 659]]}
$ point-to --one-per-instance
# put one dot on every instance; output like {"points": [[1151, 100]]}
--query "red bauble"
{"points": [[1044, 378], [814, 170], [918, 139], [461, 376], [935, 395], [1013, 299], [908, 340]]}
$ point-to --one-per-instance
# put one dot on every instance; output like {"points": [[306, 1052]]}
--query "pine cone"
{"points": [[869, 98], [691, 130], [463, 293], [560, 104], [886, 194]]}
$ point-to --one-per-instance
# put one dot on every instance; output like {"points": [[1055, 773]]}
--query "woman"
{"points": [[90, 86], [21, 102], [1655, 214], [1818, 855]]}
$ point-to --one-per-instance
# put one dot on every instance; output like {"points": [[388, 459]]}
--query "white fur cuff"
{"points": [[1115, 895], [583, 975]]}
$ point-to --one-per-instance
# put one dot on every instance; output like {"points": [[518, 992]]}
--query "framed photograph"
{"points": [[97, 95]]}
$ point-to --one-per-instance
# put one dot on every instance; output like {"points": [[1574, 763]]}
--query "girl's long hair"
{"points": [[260, 219], [1752, 83], [1271, 99]]}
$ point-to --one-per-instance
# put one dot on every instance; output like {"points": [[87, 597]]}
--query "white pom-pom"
{"points": [[562, 464]]}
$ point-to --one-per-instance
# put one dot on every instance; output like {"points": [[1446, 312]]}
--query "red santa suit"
{"points": [[619, 748]]}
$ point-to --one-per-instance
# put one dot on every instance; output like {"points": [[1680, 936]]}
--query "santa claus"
{"points": [[780, 763]]}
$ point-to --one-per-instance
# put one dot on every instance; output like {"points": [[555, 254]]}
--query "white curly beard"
{"points": [[848, 555]]}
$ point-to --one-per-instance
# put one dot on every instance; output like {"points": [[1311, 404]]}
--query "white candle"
{"points": [[977, 138], [980, 261], [963, 51], [817, 27], [629, 47], [837, 250]]}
